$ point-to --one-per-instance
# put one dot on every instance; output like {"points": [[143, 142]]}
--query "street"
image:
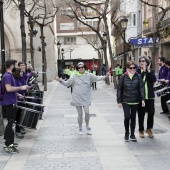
{"points": [[56, 144]]}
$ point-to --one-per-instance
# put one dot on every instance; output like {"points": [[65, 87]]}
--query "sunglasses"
{"points": [[142, 61], [132, 68], [80, 67]]}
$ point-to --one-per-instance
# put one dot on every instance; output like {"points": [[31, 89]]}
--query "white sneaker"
{"points": [[80, 131], [89, 132]]}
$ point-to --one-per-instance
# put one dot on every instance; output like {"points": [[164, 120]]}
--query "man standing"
{"points": [[163, 72], [9, 102], [149, 78]]}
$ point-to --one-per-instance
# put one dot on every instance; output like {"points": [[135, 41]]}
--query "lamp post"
{"points": [[62, 65], [58, 46], [32, 34], [71, 49], [124, 23], [2, 37], [62, 53]]}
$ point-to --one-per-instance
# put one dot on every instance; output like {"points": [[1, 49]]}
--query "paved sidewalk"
{"points": [[56, 145]]}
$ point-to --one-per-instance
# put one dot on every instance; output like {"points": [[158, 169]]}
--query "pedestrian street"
{"points": [[56, 144]]}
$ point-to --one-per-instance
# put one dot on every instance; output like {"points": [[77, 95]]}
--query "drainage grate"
{"points": [[93, 115]]}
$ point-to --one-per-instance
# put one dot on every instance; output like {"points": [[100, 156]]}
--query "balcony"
{"points": [[148, 28], [165, 22], [120, 48]]}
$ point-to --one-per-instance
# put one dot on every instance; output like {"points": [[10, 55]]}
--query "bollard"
{"points": [[1, 122]]}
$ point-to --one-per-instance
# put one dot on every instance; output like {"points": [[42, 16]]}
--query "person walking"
{"points": [[120, 72], [81, 96], [130, 93], [149, 78], [9, 102]]}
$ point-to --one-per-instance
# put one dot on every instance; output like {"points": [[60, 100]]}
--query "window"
{"points": [[69, 40], [91, 23], [134, 19]]}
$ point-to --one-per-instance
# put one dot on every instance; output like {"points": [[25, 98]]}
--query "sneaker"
{"points": [[15, 144], [80, 131], [19, 135], [89, 132], [141, 134], [126, 137], [149, 132], [11, 149], [22, 129], [133, 138]]}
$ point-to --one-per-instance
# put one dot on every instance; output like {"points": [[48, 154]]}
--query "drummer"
{"points": [[18, 76], [9, 102], [167, 80], [163, 72]]}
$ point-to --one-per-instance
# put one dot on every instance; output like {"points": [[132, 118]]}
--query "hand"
{"points": [[120, 105], [166, 81], [24, 87], [58, 79], [107, 74], [161, 79], [143, 103], [149, 67], [21, 96]]}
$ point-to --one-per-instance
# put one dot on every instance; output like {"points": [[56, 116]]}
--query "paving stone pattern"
{"points": [[58, 136]]}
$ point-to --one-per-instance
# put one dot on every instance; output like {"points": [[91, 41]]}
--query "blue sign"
{"points": [[143, 41]]}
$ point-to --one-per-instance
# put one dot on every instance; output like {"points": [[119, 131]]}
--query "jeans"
{"points": [[10, 112], [150, 108], [130, 117]]}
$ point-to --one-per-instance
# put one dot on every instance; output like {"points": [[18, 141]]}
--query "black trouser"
{"points": [[130, 117], [94, 85], [18, 115], [10, 112], [150, 108]]}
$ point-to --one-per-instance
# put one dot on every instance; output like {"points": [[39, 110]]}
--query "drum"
{"points": [[29, 105], [29, 117], [158, 87], [36, 93], [34, 99], [168, 105], [165, 96]]}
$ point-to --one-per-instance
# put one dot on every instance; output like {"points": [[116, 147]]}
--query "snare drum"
{"points": [[29, 117], [165, 96], [158, 87], [168, 105]]}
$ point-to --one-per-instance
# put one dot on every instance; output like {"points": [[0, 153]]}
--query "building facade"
{"points": [[13, 46]]}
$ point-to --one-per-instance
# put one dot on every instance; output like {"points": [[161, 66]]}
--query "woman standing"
{"points": [[81, 96], [130, 93]]}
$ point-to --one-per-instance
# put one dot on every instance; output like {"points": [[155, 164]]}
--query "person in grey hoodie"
{"points": [[81, 95]]}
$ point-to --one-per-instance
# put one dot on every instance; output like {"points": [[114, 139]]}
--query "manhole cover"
{"points": [[93, 115], [159, 131]]}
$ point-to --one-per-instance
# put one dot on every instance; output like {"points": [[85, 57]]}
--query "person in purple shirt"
{"points": [[18, 74], [22, 66], [163, 72], [9, 102]]}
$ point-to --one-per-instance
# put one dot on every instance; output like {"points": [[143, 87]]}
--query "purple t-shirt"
{"points": [[8, 97], [18, 83]]}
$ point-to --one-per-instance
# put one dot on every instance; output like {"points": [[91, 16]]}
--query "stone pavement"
{"points": [[56, 145]]}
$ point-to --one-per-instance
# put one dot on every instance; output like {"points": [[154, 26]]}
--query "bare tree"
{"points": [[164, 8], [101, 9]]}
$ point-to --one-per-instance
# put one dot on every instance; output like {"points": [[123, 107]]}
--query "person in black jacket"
{"points": [[130, 93], [149, 78]]}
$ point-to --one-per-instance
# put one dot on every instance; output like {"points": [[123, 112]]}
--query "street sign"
{"points": [[143, 41]]}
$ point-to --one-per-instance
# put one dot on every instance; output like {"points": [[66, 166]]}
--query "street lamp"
{"points": [[71, 49], [2, 38], [62, 53], [124, 23], [32, 34]]}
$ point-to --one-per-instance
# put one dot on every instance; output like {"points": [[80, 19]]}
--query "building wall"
{"points": [[13, 42]]}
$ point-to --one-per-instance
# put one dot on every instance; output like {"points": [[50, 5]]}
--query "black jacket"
{"points": [[150, 80], [130, 91]]}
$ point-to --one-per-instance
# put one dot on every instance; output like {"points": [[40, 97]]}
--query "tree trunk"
{"points": [[32, 48], [106, 61], [44, 61], [23, 35]]}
